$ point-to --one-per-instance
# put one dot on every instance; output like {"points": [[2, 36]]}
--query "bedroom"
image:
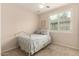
{"points": [[35, 17]]}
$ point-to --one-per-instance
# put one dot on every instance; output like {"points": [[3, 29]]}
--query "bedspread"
{"points": [[33, 43]]}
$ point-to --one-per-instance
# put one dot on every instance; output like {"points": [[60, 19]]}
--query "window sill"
{"points": [[61, 31]]}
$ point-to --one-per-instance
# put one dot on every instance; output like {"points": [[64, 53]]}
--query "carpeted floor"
{"points": [[51, 50]]}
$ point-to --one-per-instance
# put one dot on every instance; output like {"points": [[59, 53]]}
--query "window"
{"points": [[60, 21]]}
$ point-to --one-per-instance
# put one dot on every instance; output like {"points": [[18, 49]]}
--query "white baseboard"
{"points": [[9, 49], [53, 43], [66, 45]]}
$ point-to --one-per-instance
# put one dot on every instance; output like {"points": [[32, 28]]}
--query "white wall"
{"points": [[69, 39], [14, 20], [0, 29]]}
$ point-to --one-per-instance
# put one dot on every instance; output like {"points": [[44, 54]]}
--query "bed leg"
{"points": [[28, 54]]}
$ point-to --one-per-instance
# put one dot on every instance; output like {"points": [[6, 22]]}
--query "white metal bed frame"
{"points": [[29, 52]]}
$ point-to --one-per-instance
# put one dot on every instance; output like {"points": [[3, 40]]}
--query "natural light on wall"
{"points": [[60, 21]]}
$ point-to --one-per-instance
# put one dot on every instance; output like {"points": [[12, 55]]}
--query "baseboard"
{"points": [[68, 46], [8, 49], [56, 43]]}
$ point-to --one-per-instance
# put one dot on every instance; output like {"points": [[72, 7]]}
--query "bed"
{"points": [[32, 43]]}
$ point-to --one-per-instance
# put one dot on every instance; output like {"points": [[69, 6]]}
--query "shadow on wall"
{"points": [[51, 37]]}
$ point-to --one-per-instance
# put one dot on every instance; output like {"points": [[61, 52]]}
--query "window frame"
{"points": [[68, 31]]}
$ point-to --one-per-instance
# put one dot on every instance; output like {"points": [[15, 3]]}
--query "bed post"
{"points": [[29, 45]]}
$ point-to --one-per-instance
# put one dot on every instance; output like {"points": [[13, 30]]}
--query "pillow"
{"points": [[43, 32], [37, 32]]}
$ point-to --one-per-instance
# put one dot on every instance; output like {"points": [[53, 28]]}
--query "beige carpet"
{"points": [[51, 50]]}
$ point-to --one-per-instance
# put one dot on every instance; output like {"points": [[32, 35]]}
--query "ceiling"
{"points": [[47, 6]]}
